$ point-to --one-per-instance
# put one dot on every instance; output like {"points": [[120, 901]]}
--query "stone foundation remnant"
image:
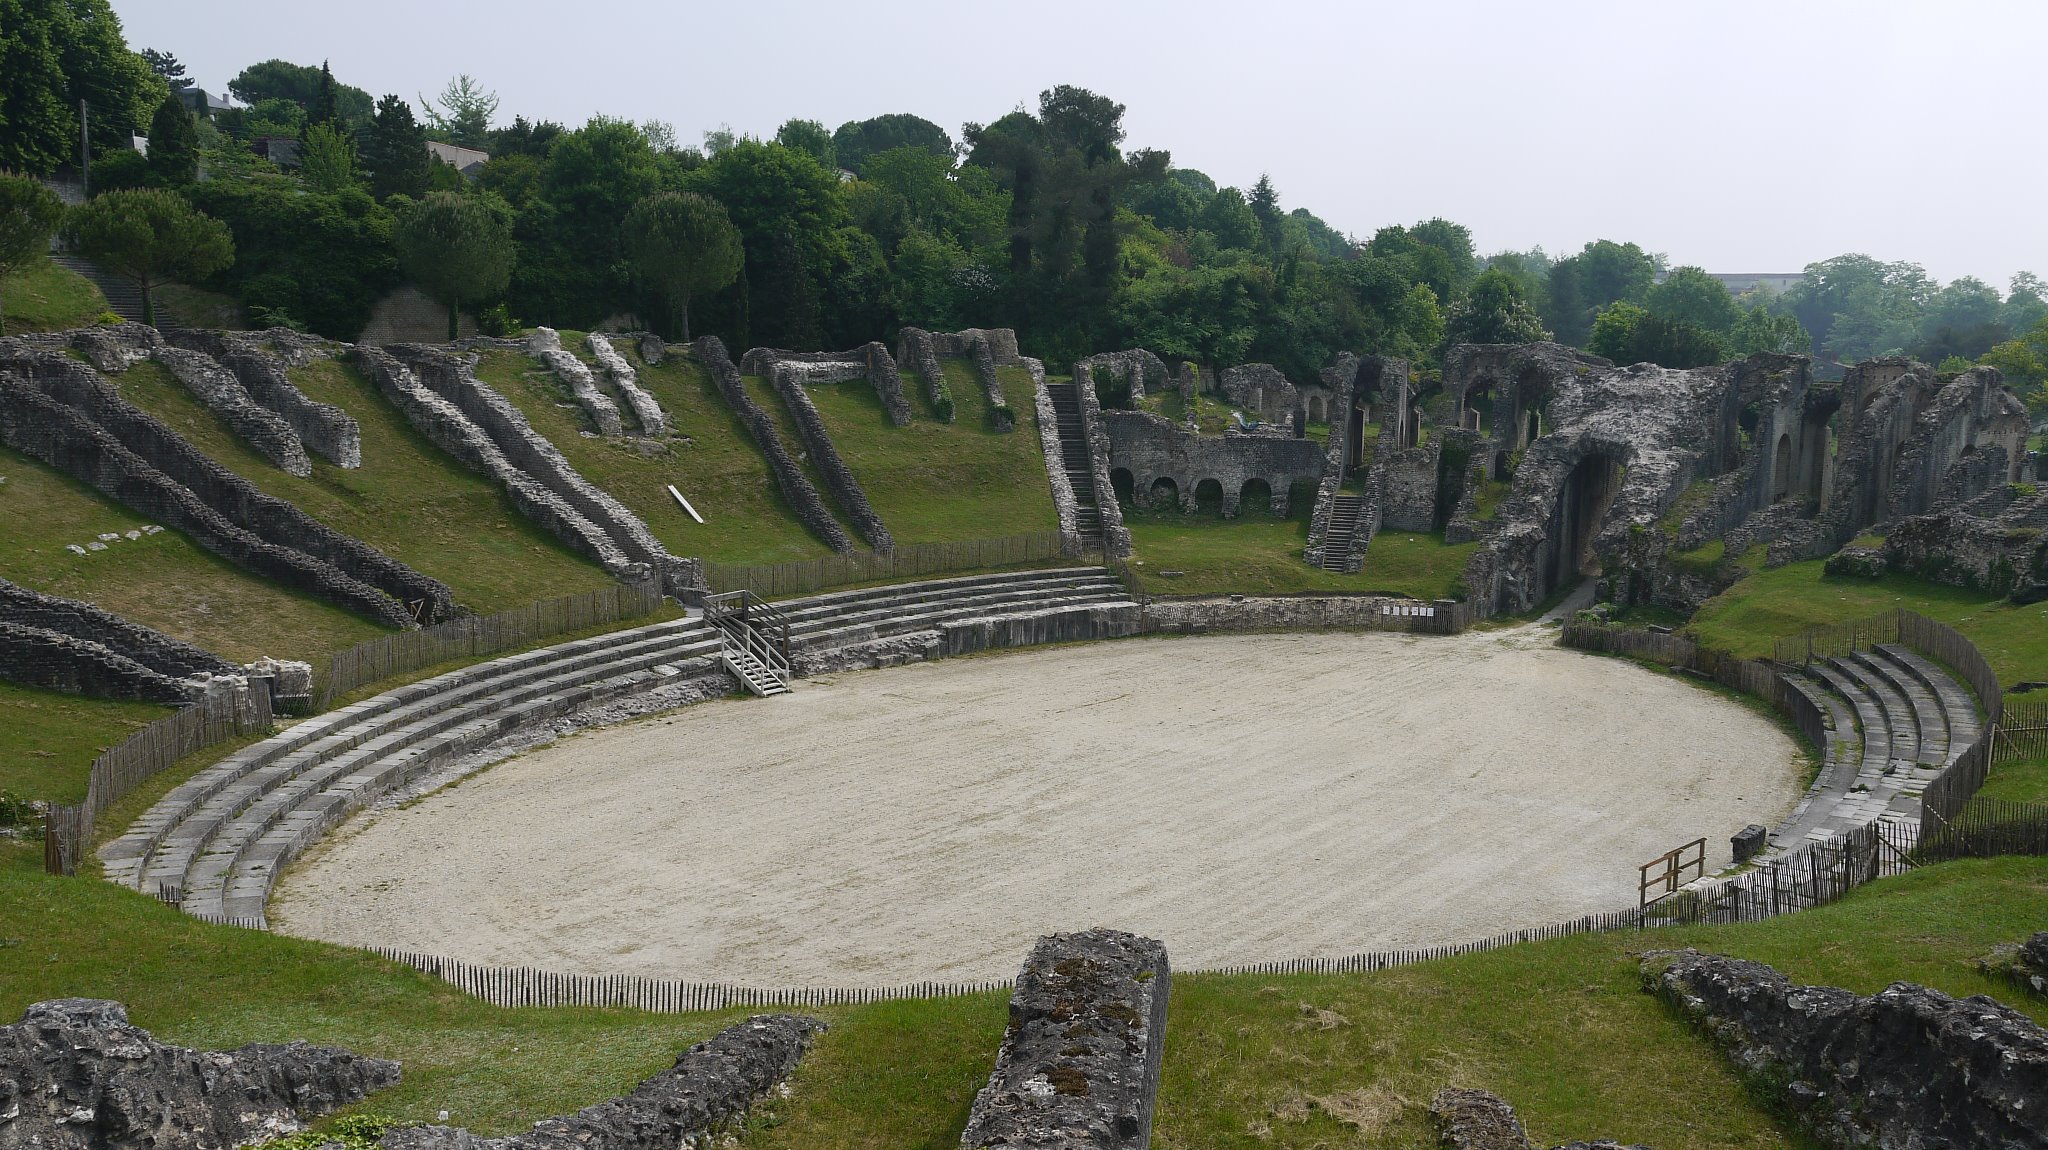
{"points": [[1477, 1120], [1906, 1067], [707, 1093], [545, 345], [1079, 1065], [75, 1074]]}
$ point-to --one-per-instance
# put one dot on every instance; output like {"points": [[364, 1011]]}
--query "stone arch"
{"points": [[1255, 497], [1317, 413], [1209, 496], [1781, 468], [1165, 492], [1121, 482], [1583, 501]]}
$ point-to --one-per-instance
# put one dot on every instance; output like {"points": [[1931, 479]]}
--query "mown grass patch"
{"points": [[1748, 616], [46, 297], [1258, 553], [164, 581], [1560, 1028], [2024, 781], [711, 459], [936, 482], [409, 499], [48, 740]]}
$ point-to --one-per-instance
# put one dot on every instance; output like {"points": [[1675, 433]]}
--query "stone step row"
{"points": [[808, 622], [346, 728], [931, 616]]}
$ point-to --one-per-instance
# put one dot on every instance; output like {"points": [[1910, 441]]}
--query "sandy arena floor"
{"points": [[1244, 798]]}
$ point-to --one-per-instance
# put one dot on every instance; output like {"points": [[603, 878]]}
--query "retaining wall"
{"points": [[1116, 538], [1000, 417], [796, 487], [826, 458], [916, 349], [1065, 504], [646, 409], [40, 657], [60, 436], [546, 346], [224, 396], [151, 648], [325, 429]]}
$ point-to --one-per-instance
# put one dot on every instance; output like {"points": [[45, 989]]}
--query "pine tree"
{"points": [[394, 151], [173, 144]]}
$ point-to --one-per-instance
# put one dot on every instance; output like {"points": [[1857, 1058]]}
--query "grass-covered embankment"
{"points": [[1561, 1028]]}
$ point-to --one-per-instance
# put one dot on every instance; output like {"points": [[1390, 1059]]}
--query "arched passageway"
{"points": [[1165, 494], [1120, 481], [1255, 498], [1209, 496], [1582, 502]]}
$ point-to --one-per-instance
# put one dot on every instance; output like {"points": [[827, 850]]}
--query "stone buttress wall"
{"points": [[624, 380], [326, 430], [802, 497], [818, 442], [528, 450], [64, 438], [217, 388], [1000, 417], [871, 361], [1064, 502], [40, 657], [545, 345], [151, 648], [917, 350]]}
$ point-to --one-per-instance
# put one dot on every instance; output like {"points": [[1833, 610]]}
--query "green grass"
{"points": [[408, 499], [1257, 553], [764, 396], [1786, 600], [2020, 782], [717, 467], [934, 482], [164, 581], [1560, 1028], [45, 297], [49, 740]]}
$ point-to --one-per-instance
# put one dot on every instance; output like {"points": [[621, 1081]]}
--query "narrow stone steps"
{"points": [[1958, 706], [1898, 713], [833, 601], [812, 623], [933, 615], [1928, 717]]}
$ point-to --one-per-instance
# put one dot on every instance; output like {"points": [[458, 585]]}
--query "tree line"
{"points": [[1042, 220]]}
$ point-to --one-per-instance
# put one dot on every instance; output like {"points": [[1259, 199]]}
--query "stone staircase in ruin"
{"points": [[1074, 458], [1894, 721], [1345, 512], [216, 843]]}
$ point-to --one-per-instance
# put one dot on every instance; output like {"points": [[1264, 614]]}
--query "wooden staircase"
{"points": [[1345, 511], [1066, 406]]}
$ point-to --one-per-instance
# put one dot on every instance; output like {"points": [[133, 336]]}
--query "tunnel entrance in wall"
{"points": [[1255, 498], [1209, 496], [1165, 494], [1584, 500], [1120, 481]]}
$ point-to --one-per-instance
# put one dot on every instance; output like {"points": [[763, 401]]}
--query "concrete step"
{"points": [[1898, 713], [929, 616], [1928, 719]]}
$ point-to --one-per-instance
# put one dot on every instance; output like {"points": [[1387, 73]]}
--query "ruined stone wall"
{"points": [[61, 436], [151, 648], [1151, 447], [1116, 538], [448, 428], [326, 430], [624, 380], [54, 661], [1261, 389], [1000, 417], [1340, 378], [1065, 504], [1408, 483], [222, 394], [796, 488], [1144, 371], [545, 345], [826, 458], [1002, 343], [2007, 555], [530, 452], [871, 361], [917, 350]]}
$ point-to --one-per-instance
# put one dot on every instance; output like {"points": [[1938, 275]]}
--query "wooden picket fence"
{"points": [[1985, 828], [478, 635], [2023, 730], [911, 561], [1746, 675], [68, 828]]}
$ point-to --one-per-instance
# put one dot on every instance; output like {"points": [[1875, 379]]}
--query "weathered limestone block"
{"points": [[1260, 388], [115, 348], [1861, 562], [224, 396], [1079, 1064], [646, 409], [707, 1093], [1267, 613], [75, 1074], [1908, 1067], [326, 430], [1477, 1120], [545, 345]]}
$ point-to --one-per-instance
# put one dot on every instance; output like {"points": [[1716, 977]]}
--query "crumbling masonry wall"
{"points": [[1150, 447], [326, 430], [796, 488], [788, 383]]}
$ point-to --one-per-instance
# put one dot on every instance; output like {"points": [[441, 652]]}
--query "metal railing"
{"points": [[746, 621]]}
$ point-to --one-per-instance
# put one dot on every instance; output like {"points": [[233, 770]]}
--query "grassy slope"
{"points": [[1746, 617], [49, 298], [408, 500], [1560, 1027], [764, 397], [937, 483], [165, 580], [718, 469], [48, 740], [1257, 553]]}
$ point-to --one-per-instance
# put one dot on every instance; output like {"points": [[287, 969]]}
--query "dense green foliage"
{"points": [[302, 85], [394, 151], [304, 258], [29, 215], [173, 144], [54, 54], [682, 245], [456, 247], [149, 236]]}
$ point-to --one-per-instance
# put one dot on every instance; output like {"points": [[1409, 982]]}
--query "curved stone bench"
{"points": [[923, 611], [1898, 713], [1958, 706], [1928, 717]]}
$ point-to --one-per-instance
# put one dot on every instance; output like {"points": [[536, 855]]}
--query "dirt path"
{"points": [[1244, 798]]}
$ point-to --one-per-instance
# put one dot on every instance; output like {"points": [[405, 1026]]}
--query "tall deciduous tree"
{"points": [[54, 55], [29, 213], [327, 161], [1690, 295], [682, 245], [395, 151], [150, 236], [301, 84], [853, 142], [456, 247], [166, 66], [173, 144], [1493, 311], [810, 138]]}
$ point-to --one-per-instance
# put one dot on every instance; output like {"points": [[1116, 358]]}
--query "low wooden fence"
{"points": [[68, 831], [1746, 675], [2023, 730], [803, 577], [479, 635], [1811, 876], [1988, 827]]}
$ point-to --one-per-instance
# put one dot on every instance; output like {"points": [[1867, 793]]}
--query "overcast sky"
{"points": [[1740, 136]]}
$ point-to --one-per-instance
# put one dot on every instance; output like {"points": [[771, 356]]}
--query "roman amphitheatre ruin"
{"points": [[888, 769]]}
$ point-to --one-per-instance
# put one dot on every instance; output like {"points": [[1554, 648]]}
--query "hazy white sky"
{"points": [[1738, 135]]}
